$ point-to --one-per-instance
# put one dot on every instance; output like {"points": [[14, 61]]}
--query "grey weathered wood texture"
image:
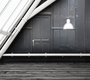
{"points": [[45, 71]]}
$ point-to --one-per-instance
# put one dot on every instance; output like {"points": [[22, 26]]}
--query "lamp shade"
{"points": [[68, 25]]}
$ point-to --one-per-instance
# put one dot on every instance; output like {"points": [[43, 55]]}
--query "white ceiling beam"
{"points": [[41, 7]]}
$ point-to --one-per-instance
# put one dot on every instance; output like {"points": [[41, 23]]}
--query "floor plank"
{"points": [[45, 71]]}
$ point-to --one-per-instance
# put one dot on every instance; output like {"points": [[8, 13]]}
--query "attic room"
{"points": [[45, 34], [44, 40]]}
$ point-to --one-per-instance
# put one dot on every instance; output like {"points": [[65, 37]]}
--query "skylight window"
{"points": [[3, 4], [11, 12], [2, 37], [15, 15]]}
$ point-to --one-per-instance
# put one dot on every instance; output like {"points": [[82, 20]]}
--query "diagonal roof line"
{"points": [[41, 7], [33, 4], [30, 13]]}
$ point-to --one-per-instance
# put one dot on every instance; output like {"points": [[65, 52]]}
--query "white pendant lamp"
{"points": [[68, 24]]}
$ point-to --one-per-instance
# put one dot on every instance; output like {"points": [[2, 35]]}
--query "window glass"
{"points": [[13, 19], [11, 12], [3, 4]]}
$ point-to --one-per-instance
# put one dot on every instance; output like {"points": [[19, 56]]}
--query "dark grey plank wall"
{"points": [[80, 25], [87, 27], [62, 38], [44, 32]]}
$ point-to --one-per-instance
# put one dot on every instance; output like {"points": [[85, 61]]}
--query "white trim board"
{"points": [[46, 54]]}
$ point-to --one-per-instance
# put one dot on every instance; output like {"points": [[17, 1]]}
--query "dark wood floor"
{"points": [[45, 71]]}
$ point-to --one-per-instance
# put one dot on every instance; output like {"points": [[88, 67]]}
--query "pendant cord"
{"points": [[68, 10]]}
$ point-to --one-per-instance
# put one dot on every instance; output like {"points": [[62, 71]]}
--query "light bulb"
{"points": [[68, 25]]}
